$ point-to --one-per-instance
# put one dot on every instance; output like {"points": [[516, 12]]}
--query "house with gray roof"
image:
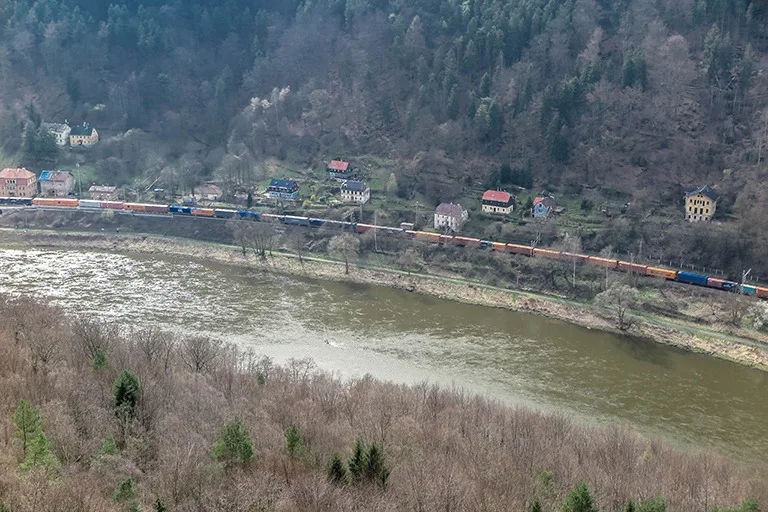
{"points": [[450, 216]]}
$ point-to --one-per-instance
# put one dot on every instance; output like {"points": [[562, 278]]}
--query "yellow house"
{"points": [[700, 204], [83, 135]]}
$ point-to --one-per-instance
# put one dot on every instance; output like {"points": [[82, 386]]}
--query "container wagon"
{"points": [[180, 210], [364, 228], [463, 241], [427, 237], [692, 278], [546, 253], [53, 201], [603, 262], [446, 239], [89, 203], [148, 208], [570, 256], [661, 272], [486, 244], [23, 201], [224, 214], [520, 249], [762, 291], [626, 266], [203, 212], [112, 205], [498, 246], [316, 223], [749, 289], [721, 284]]}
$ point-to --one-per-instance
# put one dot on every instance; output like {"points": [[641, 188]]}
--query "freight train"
{"points": [[689, 278]]}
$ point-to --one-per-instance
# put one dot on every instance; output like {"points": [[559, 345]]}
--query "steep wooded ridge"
{"points": [[645, 97]]}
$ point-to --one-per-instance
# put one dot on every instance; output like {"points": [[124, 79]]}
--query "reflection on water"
{"points": [[355, 329]]}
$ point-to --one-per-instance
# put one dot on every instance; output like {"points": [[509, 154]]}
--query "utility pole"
{"points": [[375, 223], [79, 181]]}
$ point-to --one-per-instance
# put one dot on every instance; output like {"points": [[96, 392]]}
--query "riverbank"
{"points": [[693, 338]]}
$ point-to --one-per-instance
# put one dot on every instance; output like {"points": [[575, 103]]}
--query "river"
{"points": [[692, 400]]}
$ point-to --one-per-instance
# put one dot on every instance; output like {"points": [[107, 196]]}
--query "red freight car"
{"points": [[520, 249], [112, 205], [364, 228], [498, 246], [546, 253], [148, 208]]}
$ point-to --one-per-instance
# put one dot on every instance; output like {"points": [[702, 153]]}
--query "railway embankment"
{"points": [[745, 348]]}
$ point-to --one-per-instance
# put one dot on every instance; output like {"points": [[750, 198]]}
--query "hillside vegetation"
{"points": [[96, 418], [643, 97]]}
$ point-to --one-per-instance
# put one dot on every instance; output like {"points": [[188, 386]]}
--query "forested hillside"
{"points": [[643, 96]]}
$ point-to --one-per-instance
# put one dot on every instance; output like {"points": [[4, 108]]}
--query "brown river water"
{"points": [[691, 400]]}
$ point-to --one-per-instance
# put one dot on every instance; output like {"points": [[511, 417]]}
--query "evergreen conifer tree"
{"points": [[294, 442], [357, 463], [535, 506], [39, 453], [234, 445], [28, 423], [579, 500], [126, 392], [337, 473]]}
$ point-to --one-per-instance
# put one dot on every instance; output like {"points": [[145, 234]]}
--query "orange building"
{"points": [[17, 183]]}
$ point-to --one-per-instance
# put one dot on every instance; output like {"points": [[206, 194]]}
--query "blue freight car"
{"points": [[249, 215], [316, 223], [485, 244], [180, 210], [692, 278]]}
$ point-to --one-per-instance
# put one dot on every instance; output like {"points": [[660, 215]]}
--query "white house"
{"points": [[355, 192], [59, 131], [451, 216]]}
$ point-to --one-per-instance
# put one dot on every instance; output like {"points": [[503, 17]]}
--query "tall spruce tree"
{"points": [[579, 500], [28, 423]]}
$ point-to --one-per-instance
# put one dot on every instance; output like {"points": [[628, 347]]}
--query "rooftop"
{"points": [[208, 189], [54, 175], [338, 165], [498, 196], [354, 186], [16, 174], [547, 201], [102, 189], [82, 130], [56, 127], [276, 183], [705, 191], [450, 209]]}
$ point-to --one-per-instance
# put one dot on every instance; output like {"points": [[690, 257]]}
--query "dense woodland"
{"points": [[96, 418], [646, 96]]}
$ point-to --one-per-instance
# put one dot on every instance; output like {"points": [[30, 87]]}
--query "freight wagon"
{"points": [[21, 201], [661, 272], [603, 262], [87, 203], [111, 205], [53, 201], [520, 249], [721, 284], [202, 212], [692, 278], [224, 214], [146, 208], [626, 266]]}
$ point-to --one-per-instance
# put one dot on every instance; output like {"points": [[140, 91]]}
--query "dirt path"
{"points": [[663, 330]]}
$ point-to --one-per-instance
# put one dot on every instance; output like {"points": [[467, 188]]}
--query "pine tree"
{"points": [[126, 392], [294, 442], [535, 506], [357, 463], [125, 491], [39, 453], [337, 473], [579, 500], [374, 463], [28, 423], [234, 445]]}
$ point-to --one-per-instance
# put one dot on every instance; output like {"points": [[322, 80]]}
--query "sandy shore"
{"points": [[443, 286]]}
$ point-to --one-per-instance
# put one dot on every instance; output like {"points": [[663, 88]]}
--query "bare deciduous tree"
{"points": [[619, 298], [346, 247], [199, 352]]}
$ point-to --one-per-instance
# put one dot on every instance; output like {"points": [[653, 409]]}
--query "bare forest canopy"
{"points": [[643, 96]]}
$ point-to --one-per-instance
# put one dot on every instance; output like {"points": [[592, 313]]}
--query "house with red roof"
{"points": [[340, 170], [17, 183], [498, 201], [542, 207]]}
